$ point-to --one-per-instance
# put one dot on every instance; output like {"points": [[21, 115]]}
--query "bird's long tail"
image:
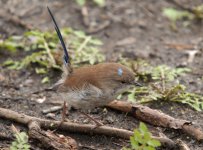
{"points": [[66, 56]]}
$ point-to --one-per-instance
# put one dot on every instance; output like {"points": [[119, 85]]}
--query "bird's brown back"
{"points": [[97, 75]]}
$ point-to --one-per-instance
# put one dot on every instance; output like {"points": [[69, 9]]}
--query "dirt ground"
{"points": [[139, 20]]}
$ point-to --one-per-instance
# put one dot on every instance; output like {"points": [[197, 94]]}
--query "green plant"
{"points": [[11, 43], [142, 139], [162, 85], [21, 142], [100, 3], [192, 99], [167, 73], [175, 15], [41, 49], [186, 14]]}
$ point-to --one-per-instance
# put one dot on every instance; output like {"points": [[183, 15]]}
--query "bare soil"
{"points": [[139, 21]]}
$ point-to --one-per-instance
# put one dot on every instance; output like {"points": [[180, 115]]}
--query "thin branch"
{"points": [[182, 145], [74, 127], [50, 140], [157, 118]]}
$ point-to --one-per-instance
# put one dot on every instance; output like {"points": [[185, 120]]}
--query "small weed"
{"points": [[162, 85], [187, 14], [11, 43], [142, 139], [100, 3], [21, 141], [167, 73], [174, 15], [42, 49]]}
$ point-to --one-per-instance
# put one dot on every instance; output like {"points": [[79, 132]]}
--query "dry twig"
{"points": [[74, 127], [182, 145], [157, 118], [50, 140]]}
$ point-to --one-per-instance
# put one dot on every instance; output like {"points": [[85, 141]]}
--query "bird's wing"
{"points": [[90, 91], [84, 93]]}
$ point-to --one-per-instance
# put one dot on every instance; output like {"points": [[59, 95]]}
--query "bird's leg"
{"points": [[98, 124], [64, 112]]}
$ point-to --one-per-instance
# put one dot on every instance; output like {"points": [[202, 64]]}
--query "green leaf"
{"points": [[9, 46], [180, 71], [154, 143], [139, 137], [143, 128], [175, 15], [92, 61], [34, 33], [96, 42], [100, 3], [142, 140], [40, 70], [23, 136], [131, 97], [52, 44], [26, 147], [81, 2], [147, 136], [80, 34], [45, 80], [8, 62], [137, 134], [134, 143], [149, 148]]}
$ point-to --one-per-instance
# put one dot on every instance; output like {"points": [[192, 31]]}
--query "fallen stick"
{"points": [[74, 127], [157, 118], [50, 140], [154, 117], [182, 145]]}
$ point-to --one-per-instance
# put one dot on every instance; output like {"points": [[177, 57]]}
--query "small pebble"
{"points": [[86, 121], [50, 115]]}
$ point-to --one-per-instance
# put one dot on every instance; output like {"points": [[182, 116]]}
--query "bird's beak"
{"points": [[137, 84]]}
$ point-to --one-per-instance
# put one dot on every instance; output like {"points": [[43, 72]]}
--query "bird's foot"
{"points": [[98, 124]]}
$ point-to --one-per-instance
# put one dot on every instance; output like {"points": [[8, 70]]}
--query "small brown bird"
{"points": [[92, 86]]}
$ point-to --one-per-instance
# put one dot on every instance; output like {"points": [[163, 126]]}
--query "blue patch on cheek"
{"points": [[120, 71]]}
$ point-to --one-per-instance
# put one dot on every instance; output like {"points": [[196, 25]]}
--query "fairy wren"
{"points": [[91, 86]]}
